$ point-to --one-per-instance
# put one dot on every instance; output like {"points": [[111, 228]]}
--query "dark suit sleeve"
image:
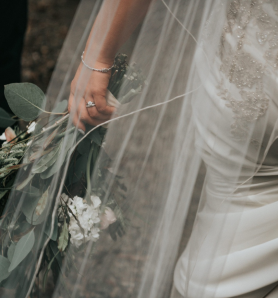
{"points": [[13, 21]]}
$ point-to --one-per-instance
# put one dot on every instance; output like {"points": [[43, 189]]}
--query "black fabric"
{"points": [[13, 21]]}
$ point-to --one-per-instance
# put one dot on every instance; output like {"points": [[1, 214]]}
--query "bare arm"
{"points": [[126, 18]]}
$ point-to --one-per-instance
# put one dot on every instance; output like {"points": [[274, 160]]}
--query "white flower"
{"points": [[88, 218], [31, 127], [3, 137], [94, 234], [76, 235], [96, 201], [107, 218], [76, 205]]}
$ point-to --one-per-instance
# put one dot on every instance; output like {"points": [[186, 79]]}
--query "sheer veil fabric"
{"points": [[211, 80]]}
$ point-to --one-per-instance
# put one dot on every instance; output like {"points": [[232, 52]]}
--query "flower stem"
{"points": [[88, 174]]}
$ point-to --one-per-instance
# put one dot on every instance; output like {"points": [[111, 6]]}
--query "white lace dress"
{"points": [[243, 88]]}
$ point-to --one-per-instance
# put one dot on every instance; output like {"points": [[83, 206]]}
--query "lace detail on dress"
{"points": [[241, 68]]}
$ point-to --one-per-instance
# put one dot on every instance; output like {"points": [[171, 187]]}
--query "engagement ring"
{"points": [[90, 104]]}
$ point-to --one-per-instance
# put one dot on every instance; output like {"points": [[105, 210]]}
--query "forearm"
{"points": [[108, 35]]}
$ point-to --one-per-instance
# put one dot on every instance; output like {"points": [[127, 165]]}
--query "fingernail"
{"points": [[81, 131]]}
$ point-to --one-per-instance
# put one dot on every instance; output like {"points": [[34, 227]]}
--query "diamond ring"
{"points": [[90, 104]]}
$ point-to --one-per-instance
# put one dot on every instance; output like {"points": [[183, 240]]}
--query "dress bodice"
{"points": [[241, 88]]}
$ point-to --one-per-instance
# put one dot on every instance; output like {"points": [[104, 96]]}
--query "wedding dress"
{"points": [[242, 89], [222, 109]]}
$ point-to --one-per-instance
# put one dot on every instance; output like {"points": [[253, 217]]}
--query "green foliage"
{"points": [[33, 206], [66, 145], [25, 182], [77, 170], [5, 119], [4, 266], [64, 237], [61, 107], [47, 160], [30, 198], [11, 251], [44, 158], [54, 234], [84, 147], [47, 270], [22, 249], [26, 100], [95, 137]]}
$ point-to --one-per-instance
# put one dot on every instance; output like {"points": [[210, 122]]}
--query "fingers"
{"points": [[74, 114], [82, 115], [80, 125], [95, 91], [93, 112], [101, 105]]}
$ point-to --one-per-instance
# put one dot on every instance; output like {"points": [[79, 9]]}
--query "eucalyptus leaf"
{"points": [[37, 211], [42, 203], [66, 146], [25, 182], [61, 107], [37, 219], [31, 202], [4, 266], [5, 119], [22, 249], [50, 138], [95, 137], [54, 234], [12, 281], [23, 228], [26, 100], [47, 160], [64, 237], [11, 251]]}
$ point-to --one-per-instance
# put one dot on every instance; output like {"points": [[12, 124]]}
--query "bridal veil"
{"points": [[190, 109]]}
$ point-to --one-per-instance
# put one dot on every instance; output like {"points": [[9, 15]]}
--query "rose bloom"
{"points": [[8, 135], [107, 218]]}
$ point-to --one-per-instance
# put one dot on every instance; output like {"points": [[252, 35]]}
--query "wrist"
{"points": [[98, 62], [106, 58]]}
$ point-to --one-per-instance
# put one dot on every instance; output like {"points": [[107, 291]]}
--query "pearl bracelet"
{"points": [[96, 69]]}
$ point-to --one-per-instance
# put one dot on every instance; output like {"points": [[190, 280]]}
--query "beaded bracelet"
{"points": [[96, 69]]}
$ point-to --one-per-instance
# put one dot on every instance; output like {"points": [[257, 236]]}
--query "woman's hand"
{"points": [[95, 91], [106, 42]]}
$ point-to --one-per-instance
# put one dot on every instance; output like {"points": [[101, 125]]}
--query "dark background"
{"points": [[48, 24]]}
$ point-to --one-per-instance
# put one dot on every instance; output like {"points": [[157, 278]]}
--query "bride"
{"points": [[209, 101], [231, 251]]}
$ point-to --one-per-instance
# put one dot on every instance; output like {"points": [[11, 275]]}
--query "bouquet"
{"points": [[83, 209]]}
